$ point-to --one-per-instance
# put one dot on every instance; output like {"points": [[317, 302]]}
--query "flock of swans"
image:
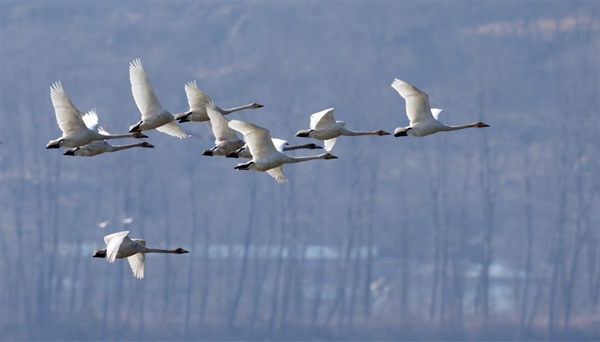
{"points": [[84, 136]]}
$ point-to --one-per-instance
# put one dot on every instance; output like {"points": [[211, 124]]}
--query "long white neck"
{"points": [[235, 109], [297, 147], [355, 133], [290, 160], [124, 135], [456, 128], [124, 147], [155, 250]]}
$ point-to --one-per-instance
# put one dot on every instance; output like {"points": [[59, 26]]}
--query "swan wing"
{"points": [[68, 117], [136, 261], [277, 173], [196, 97], [329, 144], [113, 243], [91, 119], [436, 112], [257, 138], [322, 119], [279, 144], [143, 93], [172, 128], [417, 102], [219, 124]]}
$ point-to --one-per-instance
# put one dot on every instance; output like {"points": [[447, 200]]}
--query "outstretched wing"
{"points": [[172, 128], [257, 138], [67, 116], [197, 99], [113, 243], [279, 144], [436, 112], [277, 173], [142, 90], [322, 120], [91, 119], [136, 261], [219, 125], [417, 102]]}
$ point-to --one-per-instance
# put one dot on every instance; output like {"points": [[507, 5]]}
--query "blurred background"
{"points": [[476, 234]]}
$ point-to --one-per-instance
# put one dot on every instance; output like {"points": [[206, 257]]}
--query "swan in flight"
{"points": [[423, 118], [198, 100], [120, 246], [265, 156], [99, 146], [280, 144], [75, 131], [153, 114], [226, 140], [324, 127]]}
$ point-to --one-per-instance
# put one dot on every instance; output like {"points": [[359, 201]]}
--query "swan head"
{"points": [[100, 253], [54, 143], [382, 132], [401, 131], [183, 117], [139, 135], [135, 128], [207, 152], [481, 124], [304, 133], [244, 166], [146, 145], [233, 154], [71, 152], [313, 146], [180, 251], [256, 105], [329, 156]]}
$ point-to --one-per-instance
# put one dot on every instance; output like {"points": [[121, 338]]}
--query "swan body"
{"points": [[120, 246], [280, 144], [153, 114], [265, 156], [226, 140], [423, 118], [198, 100], [97, 147], [323, 126], [76, 131]]}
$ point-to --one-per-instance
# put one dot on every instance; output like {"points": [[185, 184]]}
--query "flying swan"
{"points": [[98, 146], [226, 140], [153, 114], [198, 100], [75, 132], [120, 246], [265, 156], [280, 144], [324, 127], [423, 118]]}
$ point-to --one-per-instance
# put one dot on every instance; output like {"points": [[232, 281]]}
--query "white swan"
{"points": [[75, 132], [423, 118], [265, 156], [120, 246], [153, 114], [226, 140], [197, 100], [280, 144], [99, 146], [324, 127]]}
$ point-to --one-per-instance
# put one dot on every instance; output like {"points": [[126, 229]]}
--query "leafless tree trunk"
{"points": [[529, 230], [244, 267]]}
